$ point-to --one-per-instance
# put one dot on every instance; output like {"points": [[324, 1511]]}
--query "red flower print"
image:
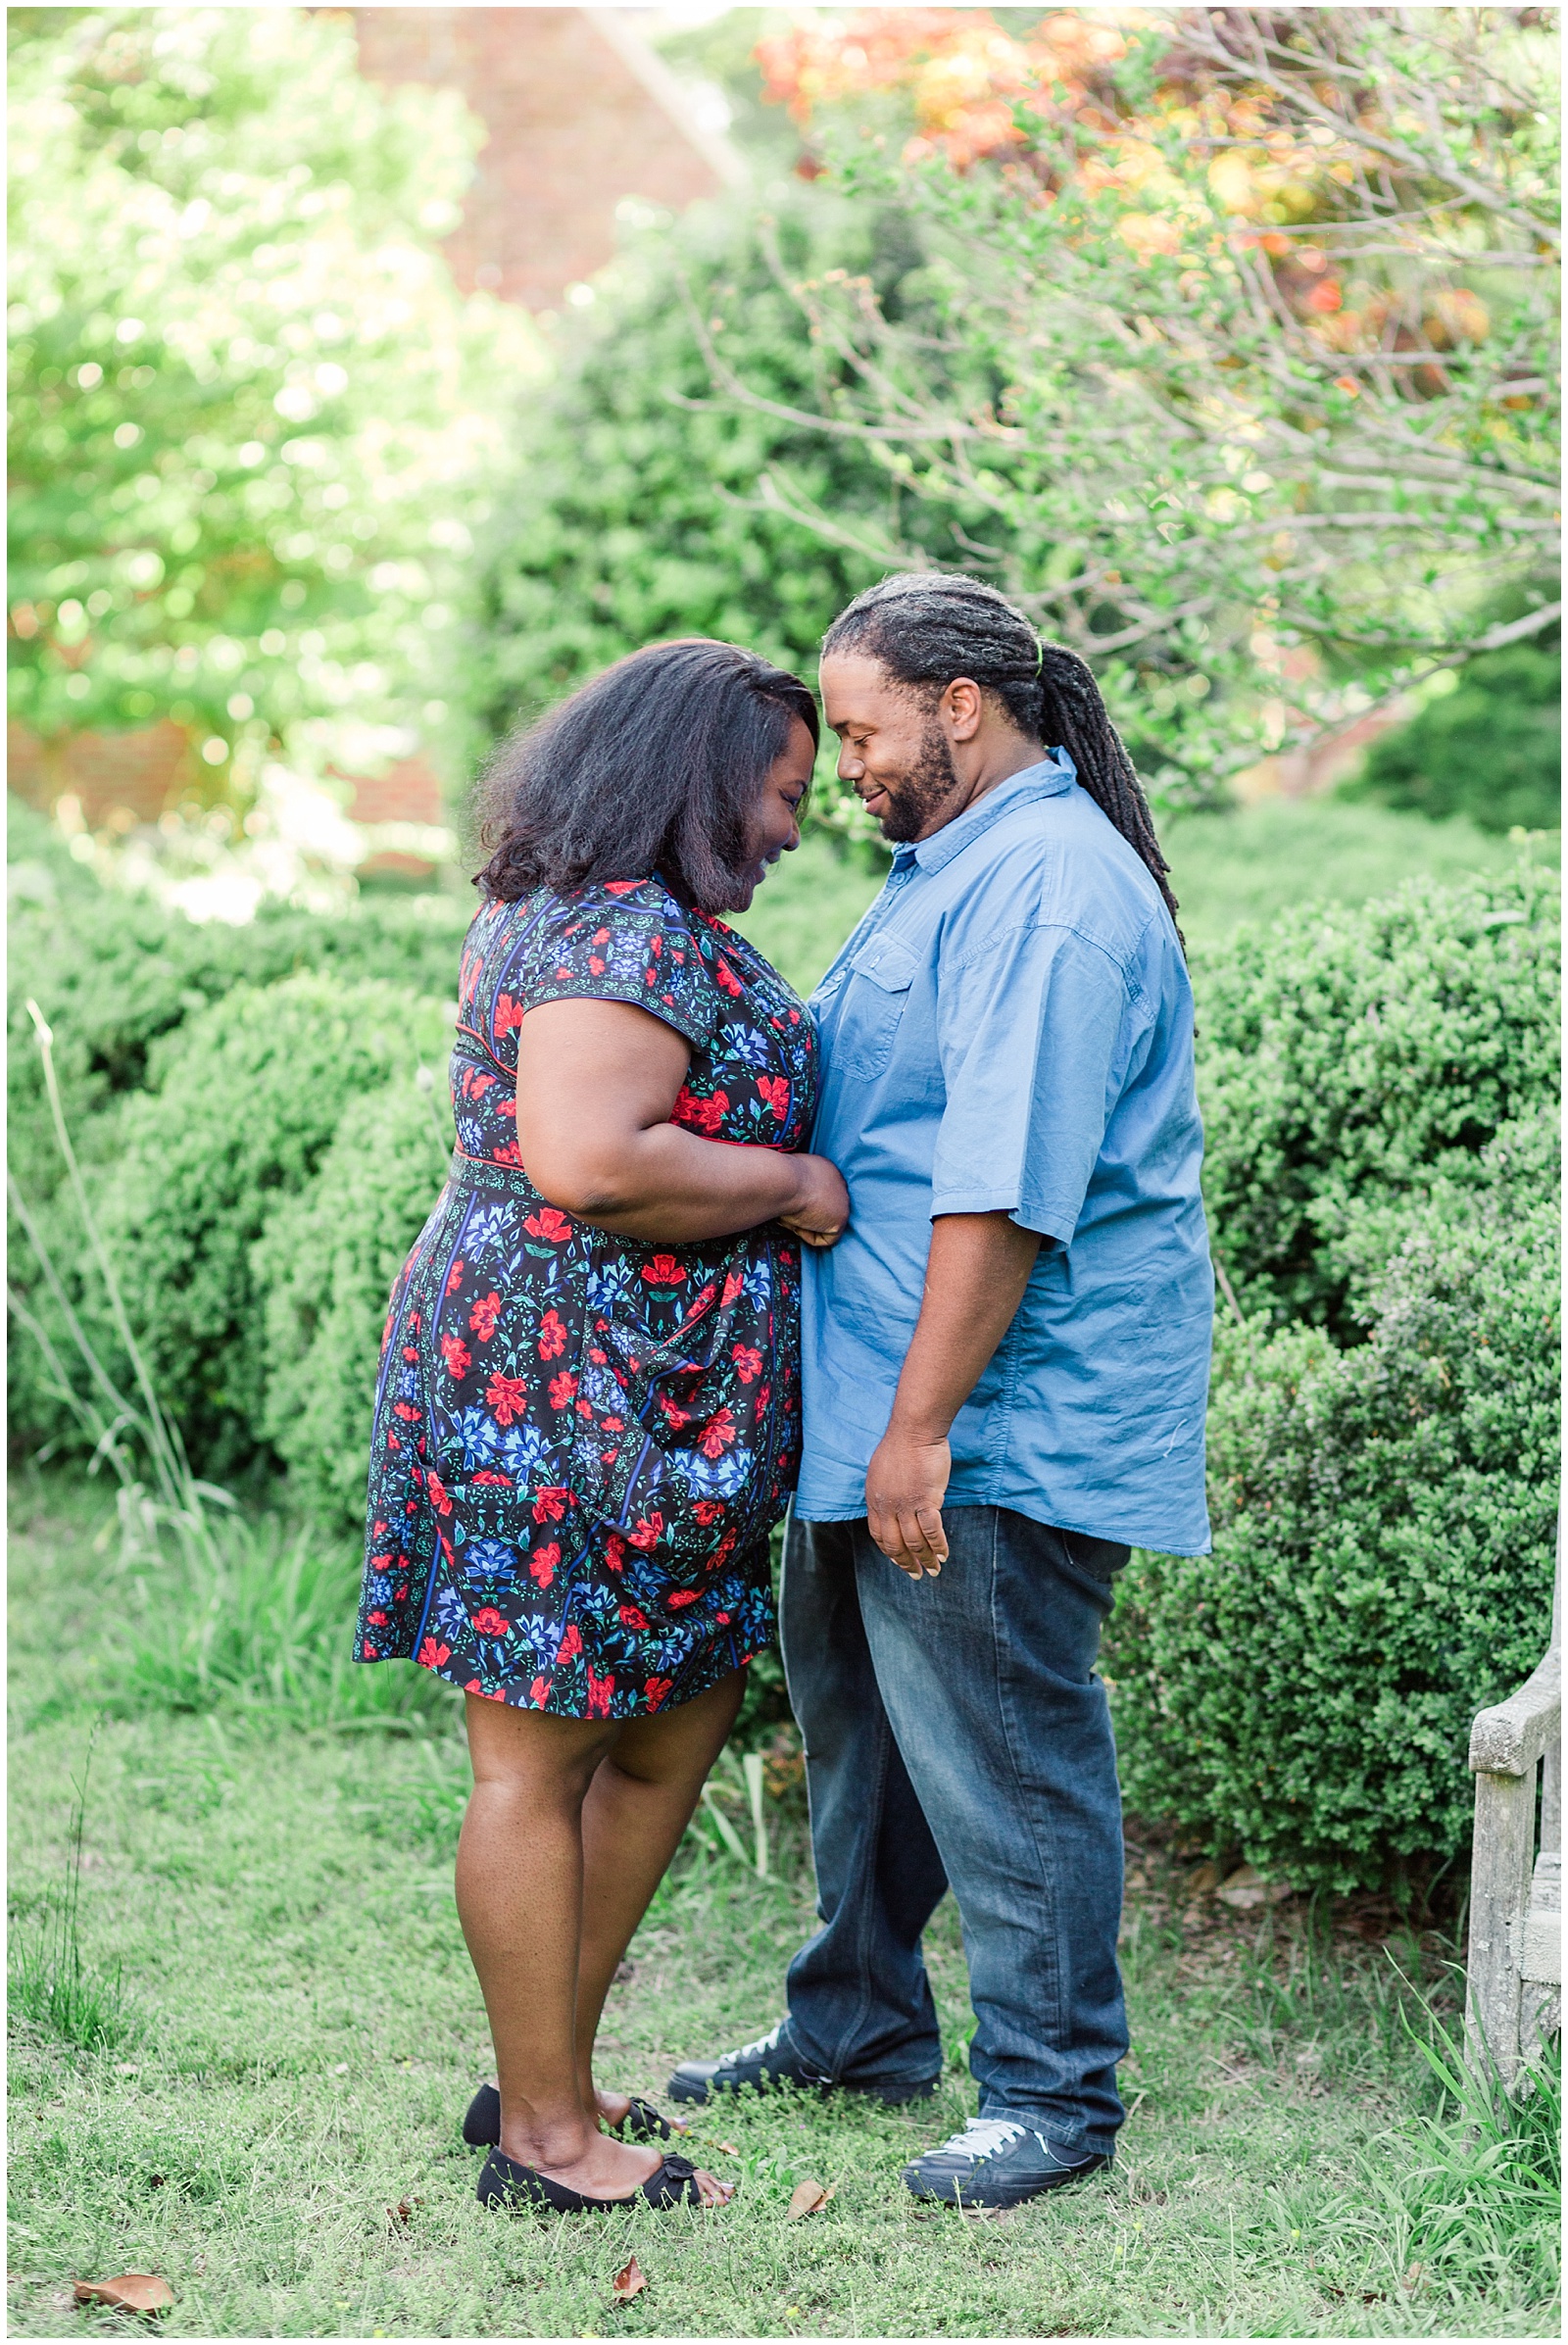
{"points": [[734, 1281], [612, 1424], [489, 1622], [458, 1358], [505, 1396], [623, 887], [508, 1013], [664, 1271], [401, 1408], [671, 1413], [553, 1336], [600, 1691], [454, 1276], [508, 1154], [436, 1491], [717, 1434], [432, 1655], [482, 1318], [615, 1553], [472, 1686], [647, 1535], [747, 1362], [548, 1223], [706, 1510], [538, 1693], [632, 1617], [679, 1596], [562, 1389], [500, 1482], [585, 1410], [570, 1645], [411, 1352], [549, 1505], [726, 977], [699, 1115], [654, 1690], [368, 1649], [777, 1092], [377, 1619]]}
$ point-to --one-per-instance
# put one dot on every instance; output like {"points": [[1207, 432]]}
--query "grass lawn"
{"points": [[1247, 863], [273, 2122]]}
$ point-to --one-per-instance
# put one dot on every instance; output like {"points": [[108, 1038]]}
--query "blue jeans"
{"points": [[956, 1731]]}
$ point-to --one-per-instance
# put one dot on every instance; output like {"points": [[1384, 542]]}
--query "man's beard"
{"points": [[922, 790]]}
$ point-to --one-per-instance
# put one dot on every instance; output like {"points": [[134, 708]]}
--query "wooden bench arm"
{"points": [[1510, 1736]]}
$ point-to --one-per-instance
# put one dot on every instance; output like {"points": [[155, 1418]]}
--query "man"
{"points": [[1006, 1373]]}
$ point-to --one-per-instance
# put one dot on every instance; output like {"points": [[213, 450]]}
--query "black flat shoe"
{"points": [[503, 2182], [481, 2128]]}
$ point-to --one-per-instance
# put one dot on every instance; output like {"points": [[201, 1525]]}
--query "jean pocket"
{"points": [[1101, 1559], [878, 991]]}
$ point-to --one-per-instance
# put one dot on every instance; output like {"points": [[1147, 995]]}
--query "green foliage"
{"points": [[1383, 1557], [1350, 1057], [324, 1264], [245, 1101], [247, 423], [1171, 392], [113, 975], [640, 508], [1488, 744]]}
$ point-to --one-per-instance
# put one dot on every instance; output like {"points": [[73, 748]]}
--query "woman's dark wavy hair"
{"points": [[656, 766], [926, 627]]}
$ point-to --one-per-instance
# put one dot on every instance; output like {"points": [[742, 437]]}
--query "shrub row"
{"points": [[1378, 1088]]}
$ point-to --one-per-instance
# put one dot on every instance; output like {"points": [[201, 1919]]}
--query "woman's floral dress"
{"points": [[582, 1442]]}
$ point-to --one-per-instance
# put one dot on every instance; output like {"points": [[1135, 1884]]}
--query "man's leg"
{"points": [[987, 1674], [859, 2001], [860, 2005]]}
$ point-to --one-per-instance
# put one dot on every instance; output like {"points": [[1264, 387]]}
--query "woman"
{"points": [[588, 1417]]}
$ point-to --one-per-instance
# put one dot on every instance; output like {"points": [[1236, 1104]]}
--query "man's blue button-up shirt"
{"points": [[1009, 1030]]}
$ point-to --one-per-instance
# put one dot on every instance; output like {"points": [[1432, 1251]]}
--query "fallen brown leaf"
{"points": [[630, 2282], [129, 2292], [402, 2214], [729, 2148], [806, 2198]]}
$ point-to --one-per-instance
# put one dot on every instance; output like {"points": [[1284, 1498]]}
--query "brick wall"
{"points": [[579, 113]]}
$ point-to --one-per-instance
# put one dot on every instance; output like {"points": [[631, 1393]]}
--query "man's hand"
{"points": [[906, 1484], [975, 1275]]}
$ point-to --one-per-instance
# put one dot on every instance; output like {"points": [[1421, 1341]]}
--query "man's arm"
{"points": [[978, 1268]]}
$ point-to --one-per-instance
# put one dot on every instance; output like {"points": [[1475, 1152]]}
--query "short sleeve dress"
{"points": [[582, 1442]]}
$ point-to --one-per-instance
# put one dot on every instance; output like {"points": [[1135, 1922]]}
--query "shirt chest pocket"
{"points": [[876, 993]]}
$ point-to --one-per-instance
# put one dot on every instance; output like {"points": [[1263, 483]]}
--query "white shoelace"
{"points": [[982, 2137], [763, 2043]]}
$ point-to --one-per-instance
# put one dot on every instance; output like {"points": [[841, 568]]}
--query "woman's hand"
{"points": [[822, 1214]]}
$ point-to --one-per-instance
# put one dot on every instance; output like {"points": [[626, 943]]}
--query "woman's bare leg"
{"points": [[638, 1805], [520, 1897]]}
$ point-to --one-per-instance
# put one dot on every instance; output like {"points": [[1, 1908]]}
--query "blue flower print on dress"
{"points": [[581, 1440]]}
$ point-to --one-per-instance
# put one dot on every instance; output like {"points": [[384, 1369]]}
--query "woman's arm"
{"points": [[597, 1082]]}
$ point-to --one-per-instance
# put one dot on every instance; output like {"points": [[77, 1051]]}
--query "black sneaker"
{"points": [[770, 2062], [995, 2161]]}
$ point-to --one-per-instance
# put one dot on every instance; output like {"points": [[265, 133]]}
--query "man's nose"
{"points": [[850, 766]]}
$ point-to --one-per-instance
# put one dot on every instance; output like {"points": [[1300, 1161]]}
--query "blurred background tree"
{"points": [[250, 410], [1237, 327]]}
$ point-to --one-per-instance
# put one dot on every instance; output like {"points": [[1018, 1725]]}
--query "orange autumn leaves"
{"points": [[963, 72]]}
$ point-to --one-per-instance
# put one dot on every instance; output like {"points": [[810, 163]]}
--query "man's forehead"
{"points": [[857, 689]]}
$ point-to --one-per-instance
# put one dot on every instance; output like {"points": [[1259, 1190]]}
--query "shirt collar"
{"points": [[1054, 773]]}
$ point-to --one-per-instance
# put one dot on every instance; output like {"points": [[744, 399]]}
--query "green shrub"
{"points": [[1383, 1557], [634, 511], [325, 1263], [1350, 1057], [1488, 745], [116, 974], [247, 1098]]}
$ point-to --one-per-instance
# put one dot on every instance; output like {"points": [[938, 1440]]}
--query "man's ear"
{"points": [[964, 706]]}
